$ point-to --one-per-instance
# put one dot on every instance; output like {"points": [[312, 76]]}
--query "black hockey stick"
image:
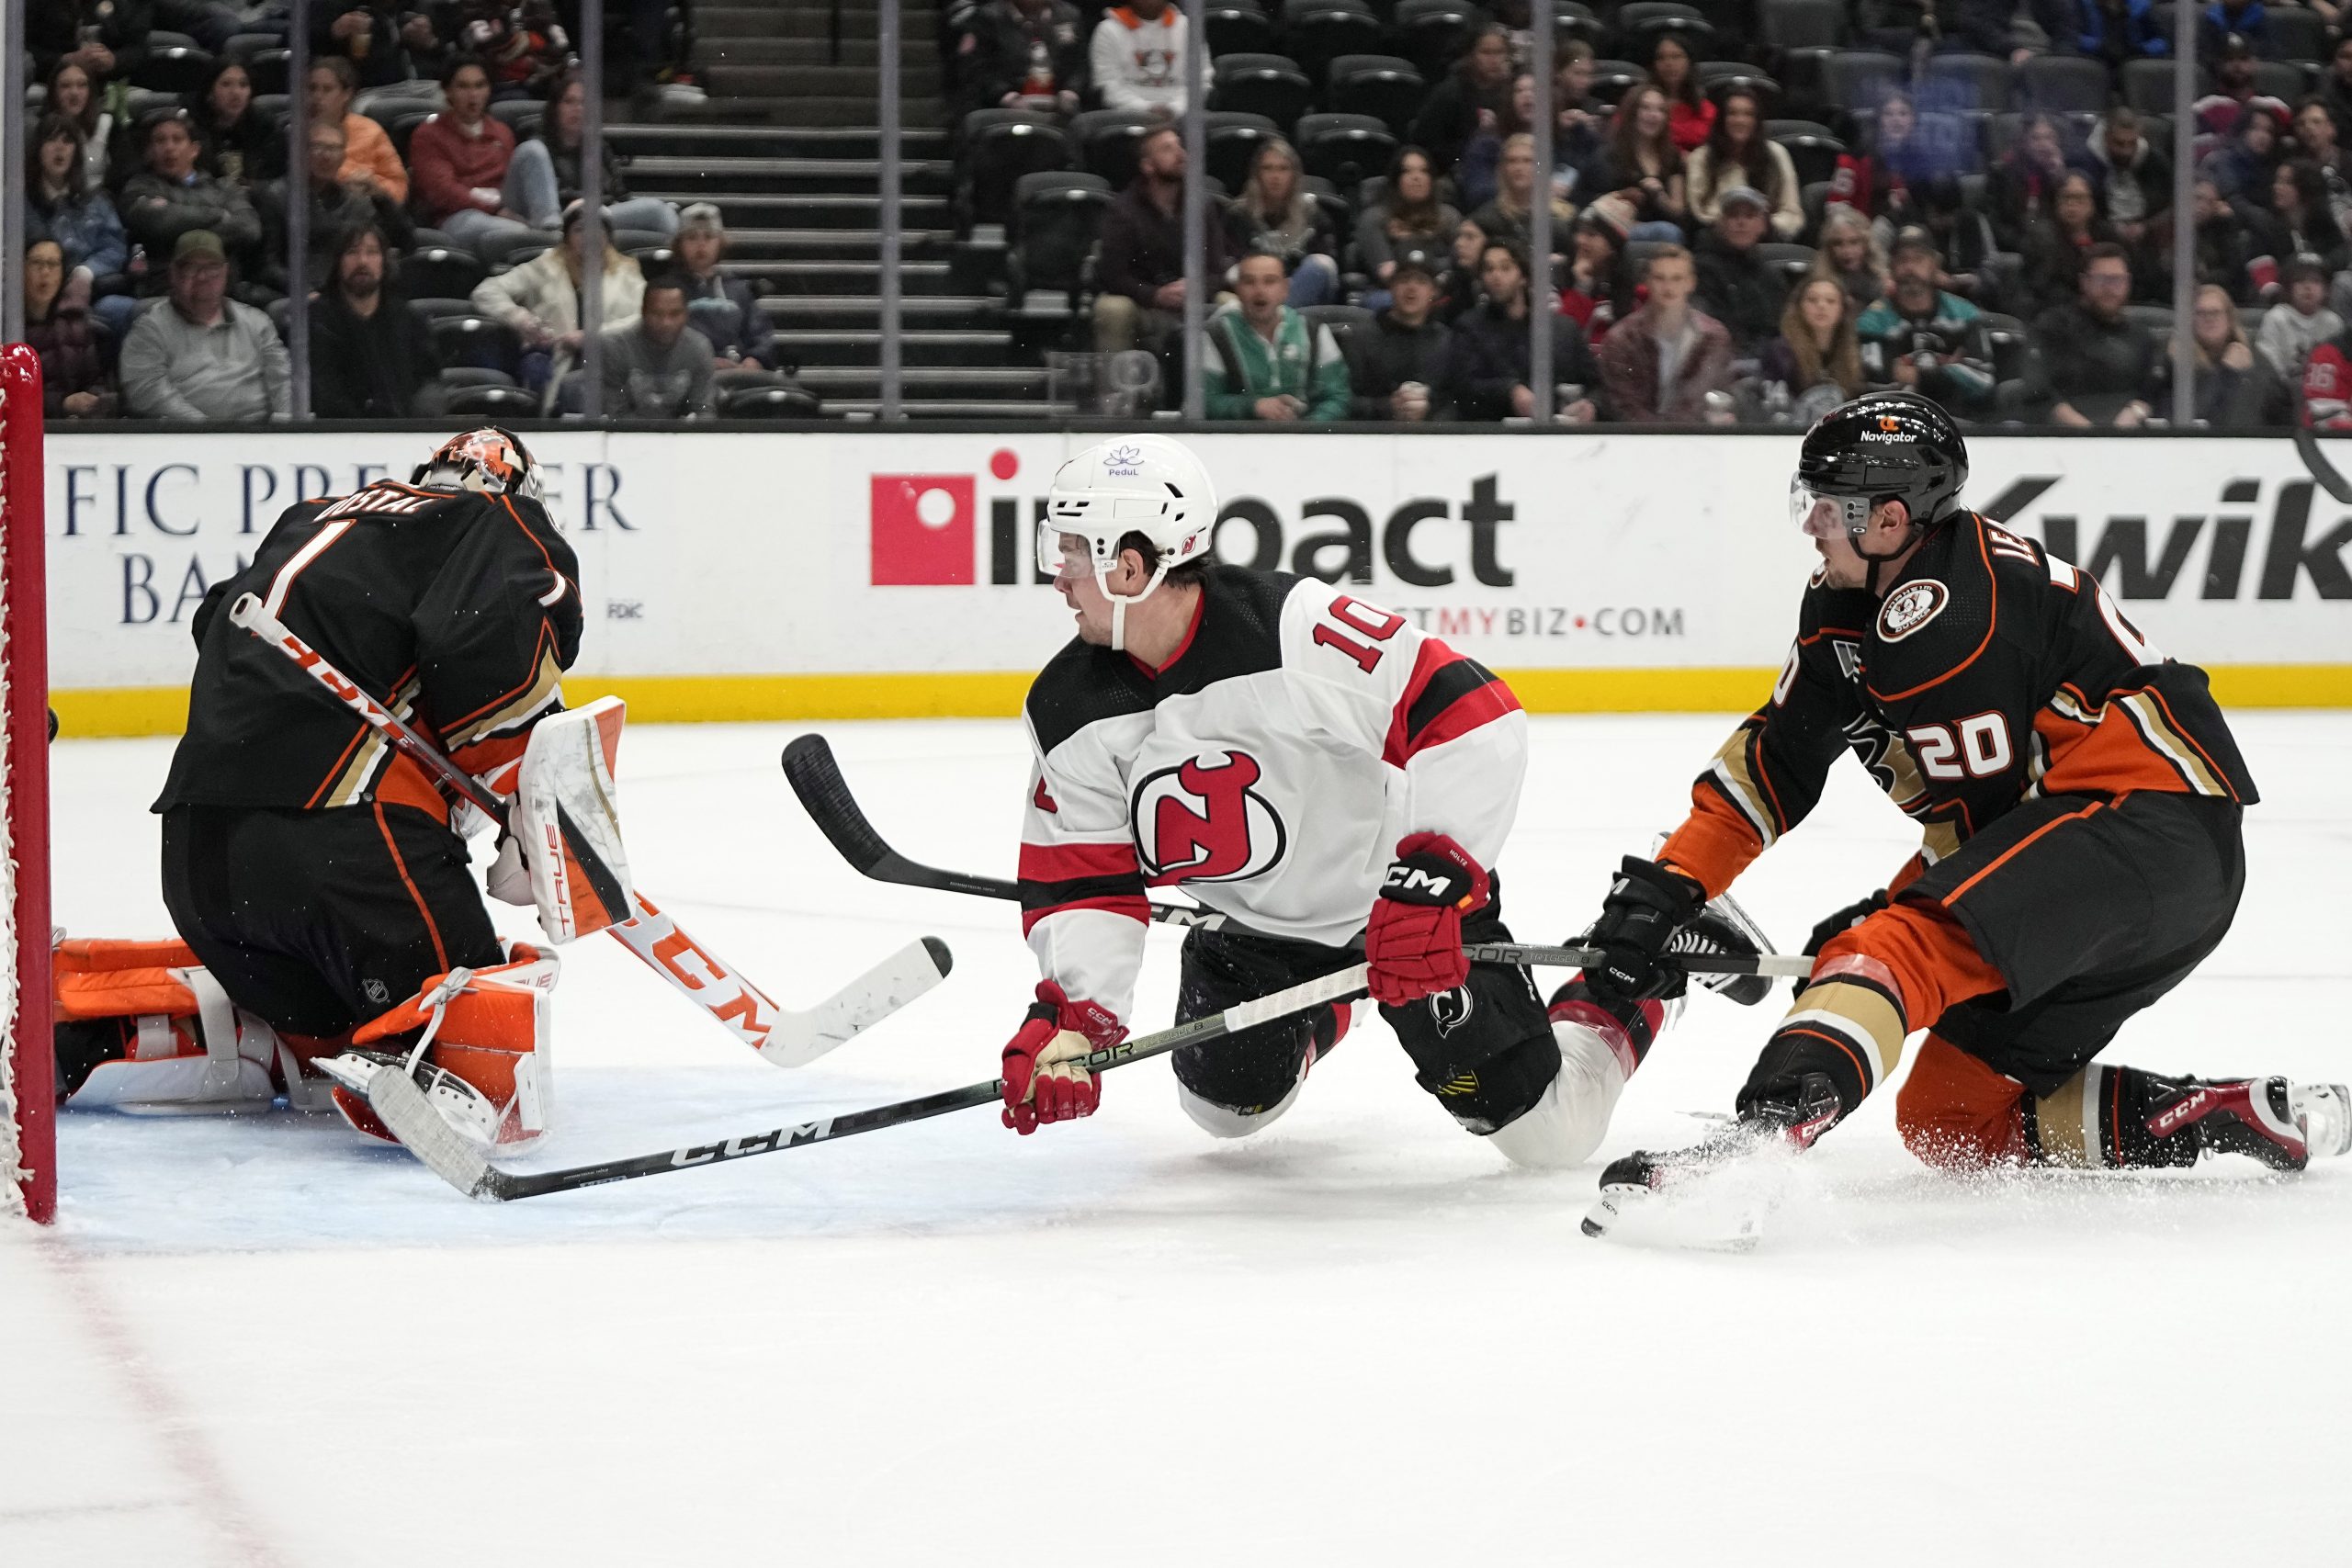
{"points": [[402, 1107], [2331, 478], [816, 778]]}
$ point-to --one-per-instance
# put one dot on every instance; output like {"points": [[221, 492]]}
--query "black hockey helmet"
{"points": [[490, 459], [1881, 447]]}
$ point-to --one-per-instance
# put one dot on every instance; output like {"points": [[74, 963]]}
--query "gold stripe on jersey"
{"points": [[1735, 775], [545, 687], [2156, 726], [2066, 1121], [359, 775], [1861, 1014]]}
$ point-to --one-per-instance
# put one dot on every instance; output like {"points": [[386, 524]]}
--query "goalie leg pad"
{"points": [[142, 1026], [477, 1041], [567, 822]]}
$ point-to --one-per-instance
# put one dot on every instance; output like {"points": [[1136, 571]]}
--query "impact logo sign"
{"points": [[1201, 821], [922, 529]]}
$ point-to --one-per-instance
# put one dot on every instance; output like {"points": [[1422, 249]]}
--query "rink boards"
{"points": [[864, 573]]}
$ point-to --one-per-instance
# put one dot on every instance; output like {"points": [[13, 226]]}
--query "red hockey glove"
{"points": [[1044, 1076], [1413, 940]]}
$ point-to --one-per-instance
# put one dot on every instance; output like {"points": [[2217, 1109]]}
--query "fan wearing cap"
{"points": [[1920, 339], [1314, 767], [723, 308], [2053, 759], [1392, 366], [1737, 285], [2301, 321], [200, 354]]}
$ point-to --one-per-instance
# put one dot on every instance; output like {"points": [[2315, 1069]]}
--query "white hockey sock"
{"points": [[1566, 1125]]}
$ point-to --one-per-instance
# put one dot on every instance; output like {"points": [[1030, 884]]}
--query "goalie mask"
{"points": [[1145, 485], [489, 459]]}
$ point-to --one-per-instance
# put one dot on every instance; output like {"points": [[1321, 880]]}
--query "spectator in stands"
{"points": [[2113, 31], [1581, 132], [2219, 112], [234, 144], [203, 356], [2221, 246], [2327, 396], [2095, 364], [658, 367], [1925, 339], [543, 178], [1897, 27], [1597, 288], [1690, 115], [107, 38], [1489, 360], [2055, 246], [338, 207], [1394, 364], [1472, 98], [73, 347], [1267, 362], [1879, 176], [1850, 253], [1737, 153], [2134, 177], [723, 308], [379, 39], [1274, 216], [170, 196], [2298, 223], [1477, 174], [1965, 247], [459, 160], [1815, 362], [2315, 138], [71, 98], [1458, 289], [1737, 285], [60, 206], [1141, 258], [1512, 216], [2241, 167], [1028, 54], [2230, 22], [525, 46], [370, 358], [1643, 167], [2023, 185], [1408, 216], [1136, 59], [2299, 322], [2336, 90], [2235, 388], [1667, 364], [540, 299], [367, 150]]}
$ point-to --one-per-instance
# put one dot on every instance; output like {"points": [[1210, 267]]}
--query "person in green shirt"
{"points": [[1265, 360]]}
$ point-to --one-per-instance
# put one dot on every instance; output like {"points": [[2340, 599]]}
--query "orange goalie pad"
{"points": [[493, 1011], [96, 977]]}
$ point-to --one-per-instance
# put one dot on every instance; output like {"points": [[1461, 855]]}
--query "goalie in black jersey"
{"points": [[2079, 798], [312, 870]]}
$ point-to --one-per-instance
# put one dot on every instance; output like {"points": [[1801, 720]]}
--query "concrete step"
{"points": [[823, 209], [864, 311], [805, 141], [817, 278], [707, 177], [861, 50], [1021, 411], [730, 77], [830, 381], [784, 109], [857, 20], [923, 346], [814, 244]]}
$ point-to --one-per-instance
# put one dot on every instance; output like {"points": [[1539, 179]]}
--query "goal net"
{"points": [[28, 1062]]}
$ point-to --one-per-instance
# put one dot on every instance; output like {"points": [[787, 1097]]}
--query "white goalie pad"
{"points": [[222, 1067], [567, 822]]}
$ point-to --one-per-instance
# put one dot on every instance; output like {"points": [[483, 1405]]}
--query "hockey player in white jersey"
{"points": [[1311, 765]]}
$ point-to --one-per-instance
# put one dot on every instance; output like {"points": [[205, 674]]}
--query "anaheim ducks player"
{"points": [[312, 871], [1313, 766], [2080, 798]]}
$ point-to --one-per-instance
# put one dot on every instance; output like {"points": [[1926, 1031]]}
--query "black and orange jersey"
{"points": [[1992, 673], [459, 610]]}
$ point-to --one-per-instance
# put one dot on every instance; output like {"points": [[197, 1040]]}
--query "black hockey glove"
{"points": [[1648, 905]]}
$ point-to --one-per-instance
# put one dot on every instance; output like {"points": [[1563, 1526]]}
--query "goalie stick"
{"points": [[402, 1107], [816, 778], [787, 1038]]}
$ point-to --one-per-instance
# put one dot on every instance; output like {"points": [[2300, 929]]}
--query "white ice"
{"points": [[1356, 1339]]}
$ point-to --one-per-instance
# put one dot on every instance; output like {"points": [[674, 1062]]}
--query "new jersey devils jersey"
{"points": [[1269, 770], [459, 610], [1991, 673]]}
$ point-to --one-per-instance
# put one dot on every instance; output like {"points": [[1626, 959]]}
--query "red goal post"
{"points": [[27, 1056]]}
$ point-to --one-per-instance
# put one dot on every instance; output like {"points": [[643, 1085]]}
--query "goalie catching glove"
{"points": [[1413, 940], [562, 853], [1044, 1076]]}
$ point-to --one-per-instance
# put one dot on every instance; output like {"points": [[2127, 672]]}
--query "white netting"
{"points": [[12, 1171]]}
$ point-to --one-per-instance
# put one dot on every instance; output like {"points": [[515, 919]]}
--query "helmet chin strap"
{"points": [[1119, 603]]}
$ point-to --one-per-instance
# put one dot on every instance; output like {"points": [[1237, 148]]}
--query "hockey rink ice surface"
{"points": [[1357, 1338]]}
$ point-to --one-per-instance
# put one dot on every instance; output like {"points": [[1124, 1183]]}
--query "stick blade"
{"points": [[816, 778], [799, 1039], [403, 1107]]}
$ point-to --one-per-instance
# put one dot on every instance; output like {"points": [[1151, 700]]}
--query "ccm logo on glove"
{"points": [[1413, 940]]}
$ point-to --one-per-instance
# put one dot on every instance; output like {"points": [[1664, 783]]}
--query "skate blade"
{"points": [[1722, 1210]]}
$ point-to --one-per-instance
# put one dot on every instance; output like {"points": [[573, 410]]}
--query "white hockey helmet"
{"points": [[1132, 484]]}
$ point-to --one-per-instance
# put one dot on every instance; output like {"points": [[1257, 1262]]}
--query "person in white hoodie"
{"points": [[1137, 57], [540, 299]]}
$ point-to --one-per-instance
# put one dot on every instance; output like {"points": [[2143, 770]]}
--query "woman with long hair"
{"points": [[1816, 361], [71, 94], [1736, 154], [2234, 389], [1597, 290], [1457, 286], [2055, 246], [544, 177], [1851, 253], [88, 231], [1690, 115], [1524, 212], [2023, 184], [1408, 217], [1643, 167], [1475, 175], [72, 347], [1472, 98], [234, 141], [2299, 221], [1274, 216]]}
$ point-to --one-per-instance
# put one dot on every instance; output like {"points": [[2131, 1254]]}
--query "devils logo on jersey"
{"points": [[1201, 821], [1450, 1010]]}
